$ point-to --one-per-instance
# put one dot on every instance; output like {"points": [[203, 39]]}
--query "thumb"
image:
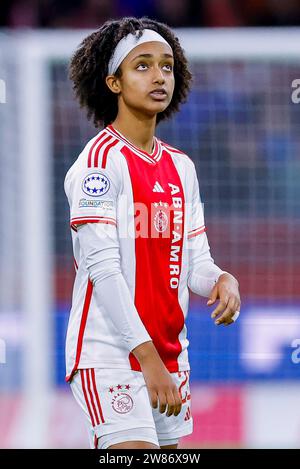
{"points": [[213, 296]]}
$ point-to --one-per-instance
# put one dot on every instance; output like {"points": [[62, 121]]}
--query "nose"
{"points": [[158, 76]]}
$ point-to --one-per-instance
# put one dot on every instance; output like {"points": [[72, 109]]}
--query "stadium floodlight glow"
{"points": [[2, 92]]}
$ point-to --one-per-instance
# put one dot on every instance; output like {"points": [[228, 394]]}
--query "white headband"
{"points": [[128, 43]]}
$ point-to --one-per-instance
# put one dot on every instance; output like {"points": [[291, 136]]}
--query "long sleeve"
{"points": [[100, 247], [203, 272]]}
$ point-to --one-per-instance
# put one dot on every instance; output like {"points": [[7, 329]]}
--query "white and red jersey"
{"points": [[153, 203]]}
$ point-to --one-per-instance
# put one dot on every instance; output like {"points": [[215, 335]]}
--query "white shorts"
{"points": [[117, 406]]}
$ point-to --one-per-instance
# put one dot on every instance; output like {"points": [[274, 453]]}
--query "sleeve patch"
{"points": [[104, 204], [95, 184]]}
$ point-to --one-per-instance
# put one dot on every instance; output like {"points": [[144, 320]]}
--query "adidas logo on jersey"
{"points": [[157, 187]]}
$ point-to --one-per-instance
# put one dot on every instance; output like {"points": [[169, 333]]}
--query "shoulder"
{"points": [[100, 154], [179, 157], [175, 152]]}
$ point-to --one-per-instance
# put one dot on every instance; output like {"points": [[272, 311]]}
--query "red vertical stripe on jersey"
{"points": [[101, 136], [105, 153], [156, 301], [86, 397], [97, 151], [85, 310]]}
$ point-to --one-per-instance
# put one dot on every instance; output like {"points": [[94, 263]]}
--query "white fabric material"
{"points": [[204, 273], [139, 417], [92, 324], [128, 43], [102, 257], [173, 441], [235, 316], [147, 434]]}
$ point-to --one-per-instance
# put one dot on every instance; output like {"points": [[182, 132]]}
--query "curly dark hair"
{"points": [[89, 68]]}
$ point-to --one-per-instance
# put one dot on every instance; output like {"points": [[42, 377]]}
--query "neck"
{"points": [[138, 130]]}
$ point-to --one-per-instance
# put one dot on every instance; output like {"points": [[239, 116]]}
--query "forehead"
{"points": [[155, 48]]}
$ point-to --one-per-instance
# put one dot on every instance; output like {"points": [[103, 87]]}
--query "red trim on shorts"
{"points": [[86, 398], [182, 384], [91, 396], [97, 395]]}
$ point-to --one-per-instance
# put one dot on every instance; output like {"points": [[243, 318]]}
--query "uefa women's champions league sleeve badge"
{"points": [[95, 184]]}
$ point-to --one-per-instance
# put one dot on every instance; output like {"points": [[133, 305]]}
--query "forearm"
{"points": [[113, 296], [203, 272], [203, 278], [147, 354]]}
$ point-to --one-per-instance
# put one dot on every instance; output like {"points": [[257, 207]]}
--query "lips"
{"points": [[158, 93]]}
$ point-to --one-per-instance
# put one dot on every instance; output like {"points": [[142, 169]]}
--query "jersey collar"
{"points": [[151, 158]]}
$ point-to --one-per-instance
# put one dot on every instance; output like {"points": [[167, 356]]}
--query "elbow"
{"points": [[103, 270]]}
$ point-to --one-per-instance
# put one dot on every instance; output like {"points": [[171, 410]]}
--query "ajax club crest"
{"points": [[121, 402], [160, 218]]}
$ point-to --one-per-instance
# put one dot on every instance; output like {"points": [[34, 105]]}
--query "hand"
{"points": [[227, 290], [160, 385]]}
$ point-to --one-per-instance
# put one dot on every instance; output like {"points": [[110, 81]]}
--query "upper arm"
{"points": [[92, 195], [198, 246], [196, 224]]}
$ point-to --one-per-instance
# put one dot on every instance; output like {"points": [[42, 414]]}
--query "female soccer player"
{"points": [[139, 242]]}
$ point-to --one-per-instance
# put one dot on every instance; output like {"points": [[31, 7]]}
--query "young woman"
{"points": [[139, 242]]}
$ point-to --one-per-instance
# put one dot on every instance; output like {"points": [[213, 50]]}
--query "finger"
{"points": [[162, 403], [228, 323], [228, 313], [213, 296], [234, 317], [153, 399], [178, 402], [221, 307], [171, 403]]}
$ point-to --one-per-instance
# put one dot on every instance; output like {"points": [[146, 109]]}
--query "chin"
{"points": [[158, 107]]}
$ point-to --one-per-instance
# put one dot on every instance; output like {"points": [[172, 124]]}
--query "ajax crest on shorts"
{"points": [[122, 402]]}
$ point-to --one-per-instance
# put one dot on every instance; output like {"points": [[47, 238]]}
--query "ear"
{"points": [[113, 84]]}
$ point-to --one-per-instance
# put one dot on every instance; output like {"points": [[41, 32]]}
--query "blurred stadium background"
{"points": [[242, 129]]}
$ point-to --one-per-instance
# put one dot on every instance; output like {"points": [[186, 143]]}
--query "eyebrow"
{"points": [[150, 55]]}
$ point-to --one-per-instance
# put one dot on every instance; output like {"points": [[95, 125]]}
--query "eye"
{"points": [[170, 67], [141, 65]]}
